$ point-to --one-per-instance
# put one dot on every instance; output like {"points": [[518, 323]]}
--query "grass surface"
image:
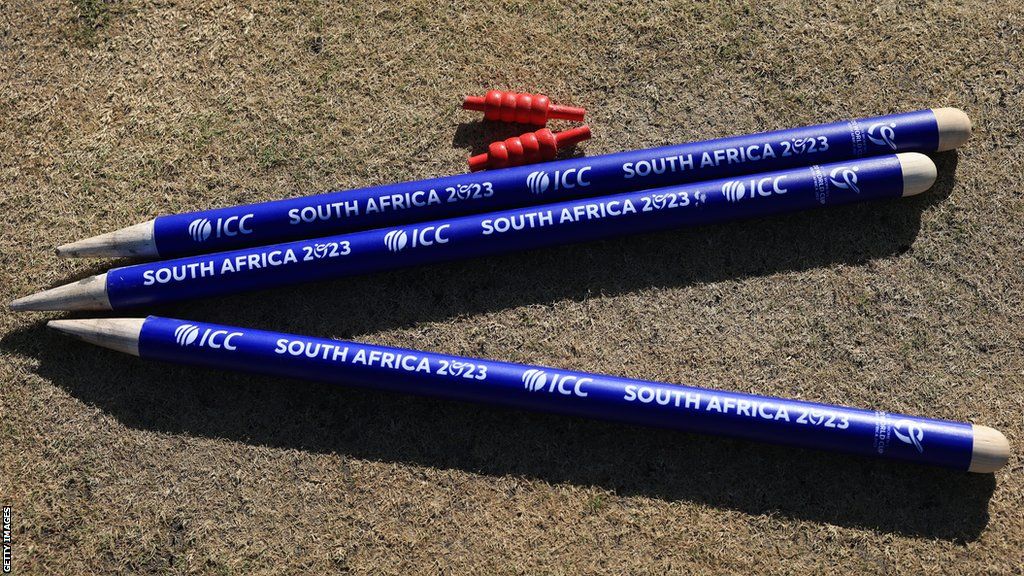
{"points": [[113, 112]]}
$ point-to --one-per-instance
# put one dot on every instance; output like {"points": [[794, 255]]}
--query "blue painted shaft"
{"points": [[418, 201], [761, 418], [506, 231]]}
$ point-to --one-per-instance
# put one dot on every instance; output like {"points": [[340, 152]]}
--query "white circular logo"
{"points": [[734, 190], [913, 436], [845, 178], [186, 334], [200, 229], [395, 240], [883, 135], [538, 182], [534, 379]]}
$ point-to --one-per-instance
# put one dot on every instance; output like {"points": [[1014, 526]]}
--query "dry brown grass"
{"points": [[112, 112]]}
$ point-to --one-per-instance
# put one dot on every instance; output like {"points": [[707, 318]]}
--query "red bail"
{"points": [[539, 146], [534, 109]]}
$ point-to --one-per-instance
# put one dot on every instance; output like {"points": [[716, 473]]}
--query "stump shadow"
{"points": [[629, 460]]}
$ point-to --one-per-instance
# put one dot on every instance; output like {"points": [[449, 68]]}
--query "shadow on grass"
{"points": [[746, 476]]}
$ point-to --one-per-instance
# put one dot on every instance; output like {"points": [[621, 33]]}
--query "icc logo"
{"points": [[845, 178], [538, 182], [396, 240], [200, 229], [186, 334], [534, 379], [734, 190], [914, 434], [882, 135]]}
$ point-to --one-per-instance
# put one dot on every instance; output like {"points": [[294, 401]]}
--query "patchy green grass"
{"points": [[117, 465], [91, 16]]}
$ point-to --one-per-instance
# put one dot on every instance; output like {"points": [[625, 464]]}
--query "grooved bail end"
{"points": [[523, 108], [567, 113], [539, 146]]}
